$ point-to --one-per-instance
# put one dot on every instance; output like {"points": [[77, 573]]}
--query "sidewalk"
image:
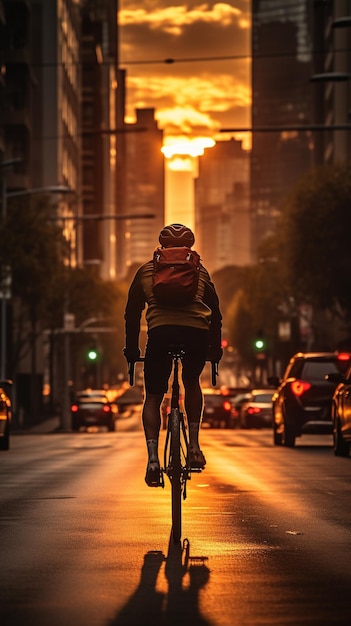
{"points": [[49, 425]]}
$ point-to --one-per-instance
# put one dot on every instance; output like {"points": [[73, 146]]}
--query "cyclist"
{"points": [[196, 326]]}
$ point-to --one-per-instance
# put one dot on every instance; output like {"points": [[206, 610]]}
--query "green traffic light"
{"points": [[259, 344], [92, 354]]}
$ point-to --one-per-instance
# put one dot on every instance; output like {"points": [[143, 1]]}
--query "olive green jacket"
{"points": [[203, 312]]}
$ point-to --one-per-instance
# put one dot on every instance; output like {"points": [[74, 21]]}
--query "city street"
{"points": [[84, 542]]}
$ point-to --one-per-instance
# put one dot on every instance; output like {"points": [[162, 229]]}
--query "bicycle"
{"points": [[176, 464]]}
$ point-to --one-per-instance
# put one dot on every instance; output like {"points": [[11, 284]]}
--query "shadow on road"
{"points": [[180, 604]]}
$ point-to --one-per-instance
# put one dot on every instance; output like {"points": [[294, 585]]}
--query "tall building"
{"points": [[40, 131], [16, 85], [144, 191], [56, 114], [282, 149], [222, 208], [331, 80], [99, 100]]}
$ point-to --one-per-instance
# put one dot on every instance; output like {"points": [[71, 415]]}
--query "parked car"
{"points": [[217, 411], [302, 402], [256, 411], [5, 414], [93, 411], [341, 413]]}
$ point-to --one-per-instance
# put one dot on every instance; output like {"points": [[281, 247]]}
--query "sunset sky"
{"points": [[207, 86]]}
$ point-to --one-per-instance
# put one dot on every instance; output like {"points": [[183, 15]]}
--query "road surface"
{"points": [[84, 542]]}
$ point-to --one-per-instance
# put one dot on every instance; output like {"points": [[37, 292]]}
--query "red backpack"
{"points": [[176, 275]]}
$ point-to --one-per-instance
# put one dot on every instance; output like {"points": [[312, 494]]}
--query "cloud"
{"points": [[208, 84], [201, 94], [173, 19]]}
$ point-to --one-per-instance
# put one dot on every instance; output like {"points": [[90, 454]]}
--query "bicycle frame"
{"points": [[176, 450]]}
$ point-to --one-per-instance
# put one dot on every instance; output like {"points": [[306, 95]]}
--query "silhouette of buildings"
{"points": [[99, 59], [144, 190], [281, 68], [62, 114], [222, 207], [301, 97]]}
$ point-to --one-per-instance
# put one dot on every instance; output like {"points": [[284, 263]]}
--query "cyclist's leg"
{"points": [[157, 367], [151, 423], [151, 415], [193, 364], [193, 402]]}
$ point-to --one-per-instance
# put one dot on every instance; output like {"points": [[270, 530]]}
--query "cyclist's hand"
{"points": [[214, 354], [131, 354]]}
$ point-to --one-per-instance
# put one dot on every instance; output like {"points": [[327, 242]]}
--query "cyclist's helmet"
{"points": [[176, 235]]}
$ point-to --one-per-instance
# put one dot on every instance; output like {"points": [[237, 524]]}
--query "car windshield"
{"points": [[92, 402], [318, 369], [262, 397]]}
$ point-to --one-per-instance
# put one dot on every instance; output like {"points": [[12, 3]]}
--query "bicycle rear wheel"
{"points": [[176, 478]]}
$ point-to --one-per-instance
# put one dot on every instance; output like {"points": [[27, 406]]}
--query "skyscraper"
{"points": [[282, 150], [222, 209]]}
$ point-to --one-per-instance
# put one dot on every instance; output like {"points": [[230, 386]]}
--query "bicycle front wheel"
{"points": [[176, 479]]}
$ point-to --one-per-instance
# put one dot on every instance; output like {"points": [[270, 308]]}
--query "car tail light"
{"points": [[298, 387], [227, 406], [106, 408], [254, 409], [74, 408], [343, 356]]}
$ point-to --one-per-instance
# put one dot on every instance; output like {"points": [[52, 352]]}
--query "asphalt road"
{"points": [[84, 542]]}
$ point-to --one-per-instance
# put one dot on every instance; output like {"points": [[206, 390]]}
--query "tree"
{"points": [[315, 240], [33, 250]]}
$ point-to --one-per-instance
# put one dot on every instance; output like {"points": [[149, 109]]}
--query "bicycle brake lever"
{"points": [[214, 366]]}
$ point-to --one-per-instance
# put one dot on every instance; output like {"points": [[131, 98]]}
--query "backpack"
{"points": [[175, 275]]}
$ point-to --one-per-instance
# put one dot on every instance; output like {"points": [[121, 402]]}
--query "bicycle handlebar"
{"points": [[131, 368]]}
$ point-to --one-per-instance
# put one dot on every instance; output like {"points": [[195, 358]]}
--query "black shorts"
{"points": [[158, 363]]}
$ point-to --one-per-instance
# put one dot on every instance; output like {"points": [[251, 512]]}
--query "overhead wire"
{"points": [[171, 60]]}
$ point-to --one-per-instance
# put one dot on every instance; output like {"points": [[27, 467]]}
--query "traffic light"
{"points": [[92, 354], [260, 345]]}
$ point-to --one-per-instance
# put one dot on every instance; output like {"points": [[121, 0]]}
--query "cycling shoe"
{"points": [[196, 459], [153, 474]]}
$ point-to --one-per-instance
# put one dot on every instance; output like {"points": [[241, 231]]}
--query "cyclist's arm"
{"points": [[212, 301], [134, 308]]}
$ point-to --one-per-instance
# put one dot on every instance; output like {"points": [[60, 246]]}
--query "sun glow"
{"points": [[186, 146]]}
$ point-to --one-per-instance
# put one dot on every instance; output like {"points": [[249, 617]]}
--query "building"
{"points": [[331, 89], [222, 206], [99, 110], [56, 114], [40, 124], [17, 94], [144, 191], [282, 143]]}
